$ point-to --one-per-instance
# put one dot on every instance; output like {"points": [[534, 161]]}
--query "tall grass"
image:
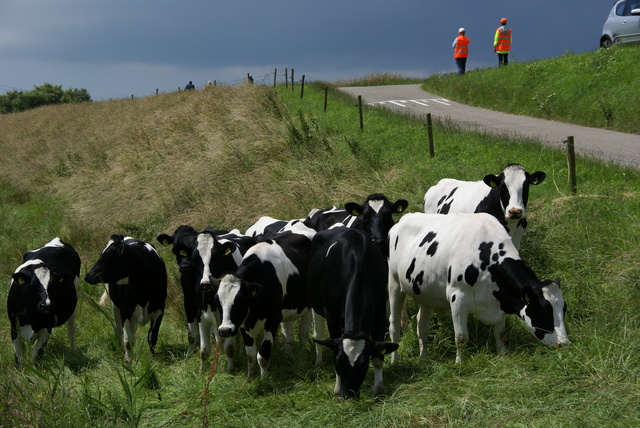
{"points": [[226, 156], [599, 89]]}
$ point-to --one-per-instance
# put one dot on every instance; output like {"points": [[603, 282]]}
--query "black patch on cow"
{"points": [[445, 209], [522, 223], [452, 192], [449, 275], [501, 246], [431, 251], [459, 277], [417, 282], [496, 257], [453, 298], [430, 236], [395, 245], [441, 201], [485, 254], [471, 274], [412, 266]]}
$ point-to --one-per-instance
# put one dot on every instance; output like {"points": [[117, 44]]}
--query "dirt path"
{"points": [[616, 147]]}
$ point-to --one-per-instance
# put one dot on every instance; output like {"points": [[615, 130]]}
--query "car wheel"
{"points": [[605, 43]]}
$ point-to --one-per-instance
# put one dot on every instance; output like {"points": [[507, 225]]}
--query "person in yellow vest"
{"points": [[461, 51], [502, 42]]}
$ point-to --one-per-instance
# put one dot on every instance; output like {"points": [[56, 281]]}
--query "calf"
{"points": [[504, 196], [375, 217], [266, 290], [183, 242], [346, 284], [468, 263], [136, 280], [213, 256], [43, 294]]}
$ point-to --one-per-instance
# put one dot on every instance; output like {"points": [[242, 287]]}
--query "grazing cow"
{"points": [[504, 196], [43, 294], [213, 256], [266, 290], [136, 279], [468, 263], [375, 217], [183, 242], [346, 284]]}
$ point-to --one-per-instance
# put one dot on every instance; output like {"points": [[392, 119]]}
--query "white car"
{"points": [[622, 24]]}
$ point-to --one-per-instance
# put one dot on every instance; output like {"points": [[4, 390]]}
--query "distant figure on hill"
{"points": [[190, 86], [461, 51], [209, 85], [502, 42]]}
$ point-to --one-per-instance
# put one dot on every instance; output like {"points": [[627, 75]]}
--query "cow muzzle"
{"points": [[227, 332], [515, 213]]}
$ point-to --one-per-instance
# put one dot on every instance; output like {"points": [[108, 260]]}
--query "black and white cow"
{"points": [[212, 257], [265, 226], [43, 294], [375, 217], [136, 279], [467, 263], [504, 196], [266, 290], [183, 242], [347, 285]]}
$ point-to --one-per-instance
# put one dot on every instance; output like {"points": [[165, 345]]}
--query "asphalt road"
{"points": [[616, 147]]}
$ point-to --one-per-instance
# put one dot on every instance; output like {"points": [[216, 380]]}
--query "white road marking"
{"points": [[422, 102]]}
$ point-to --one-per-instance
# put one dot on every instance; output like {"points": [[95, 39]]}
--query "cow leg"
{"points": [[18, 342], [154, 330], [287, 333], [252, 352], [71, 330], [117, 317], [460, 315], [378, 385], [130, 327], [41, 338], [499, 329], [193, 335], [205, 341], [424, 318], [319, 333], [396, 303], [229, 351], [336, 388], [304, 326], [264, 355]]}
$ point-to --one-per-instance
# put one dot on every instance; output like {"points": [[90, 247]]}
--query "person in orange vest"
{"points": [[502, 42], [461, 51]]}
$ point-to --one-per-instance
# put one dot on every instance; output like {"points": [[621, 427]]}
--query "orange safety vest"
{"points": [[504, 40], [462, 47]]}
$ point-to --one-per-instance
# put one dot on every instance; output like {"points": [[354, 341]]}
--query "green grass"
{"points": [[223, 158], [599, 89]]}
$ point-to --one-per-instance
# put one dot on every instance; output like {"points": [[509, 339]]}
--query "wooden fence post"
{"points": [[286, 79], [571, 160], [430, 135], [326, 91], [302, 88], [275, 73], [292, 82], [360, 111]]}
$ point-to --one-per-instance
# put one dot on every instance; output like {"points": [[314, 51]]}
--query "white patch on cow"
{"points": [[28, 263], [109, 244], [273, 253], [297, 227], [227, 293], [205, 245], [26, 332], [376, 205], [514, 178], [55, 242], [353, 349], [559, 336], [329, 249], [44, 276]]}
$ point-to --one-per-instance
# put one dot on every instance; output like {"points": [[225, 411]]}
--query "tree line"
{"points": [[16, 100]]}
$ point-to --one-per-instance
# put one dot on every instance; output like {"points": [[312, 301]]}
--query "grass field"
{"points": [[226, 156]]}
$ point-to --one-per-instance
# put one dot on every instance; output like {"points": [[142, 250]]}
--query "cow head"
{"points": [[512, 186], [543, 313], [34, 279], [113, 265], [351, 359], [183, 241], [375, 217], [234, 298]]}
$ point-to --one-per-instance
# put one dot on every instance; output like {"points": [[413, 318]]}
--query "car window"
{"points": [[633, 4], [620, 8]]}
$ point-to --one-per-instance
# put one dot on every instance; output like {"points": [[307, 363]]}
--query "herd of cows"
{"points": [[346, 269]]}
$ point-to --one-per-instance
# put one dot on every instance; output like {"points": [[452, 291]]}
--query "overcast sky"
{"points": [[119, 48]]}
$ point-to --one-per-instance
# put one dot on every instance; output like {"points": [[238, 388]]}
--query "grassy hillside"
{"points": [[226, 156], [600, 89]]}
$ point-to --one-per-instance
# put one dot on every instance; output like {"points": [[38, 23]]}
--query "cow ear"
{"points": [[332, 344], [19, 278], [400, 205], [492, 180], [383, 348], [255, 289], [165, 239], [353, 208], [537, 177], [228, 248]]}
